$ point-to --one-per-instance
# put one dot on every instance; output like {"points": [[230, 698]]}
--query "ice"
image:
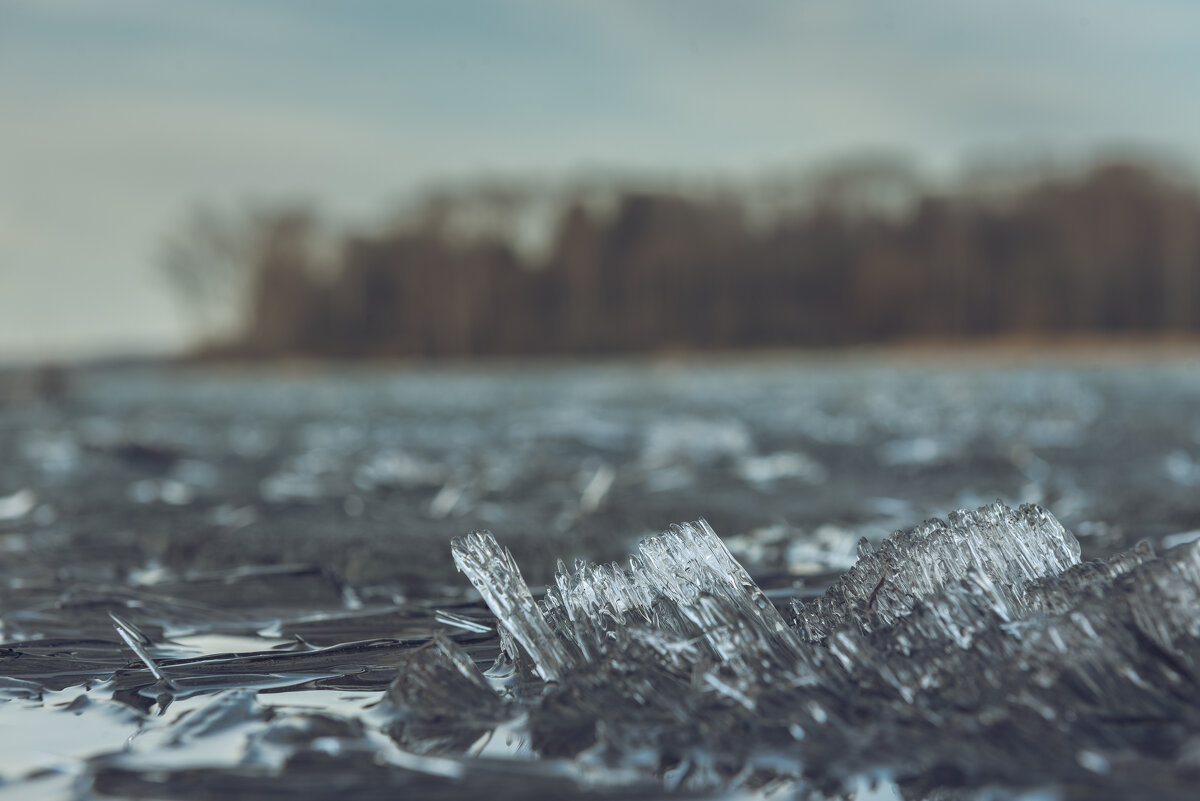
{"points": [[916, 451], [683, 585], [435, 684], [1003, 546], [1180, 538], [17, 505], [694, 440], [494, 572], [973, 651], [1182, 468], [166, 490], [395, 468], [765, 470], [596, 489]]}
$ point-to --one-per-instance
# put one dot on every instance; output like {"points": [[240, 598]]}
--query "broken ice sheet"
{"points": [[17, 505], [960, 653], [436, 683], [44, 743]]}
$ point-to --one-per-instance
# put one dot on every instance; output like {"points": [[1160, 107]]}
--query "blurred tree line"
{"points": [[861, 253]]}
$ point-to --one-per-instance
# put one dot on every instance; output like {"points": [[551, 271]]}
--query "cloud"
{"points": [[929, 77]]}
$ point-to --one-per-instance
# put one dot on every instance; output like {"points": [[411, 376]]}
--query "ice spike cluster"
{"points": [[683, 591], [994, 546], [977, 651]]}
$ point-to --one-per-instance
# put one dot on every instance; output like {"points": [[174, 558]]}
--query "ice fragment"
{"points": [[978, 650], [1003, 546]]}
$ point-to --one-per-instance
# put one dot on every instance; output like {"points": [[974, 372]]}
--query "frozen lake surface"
{"points": [[280, 540]]}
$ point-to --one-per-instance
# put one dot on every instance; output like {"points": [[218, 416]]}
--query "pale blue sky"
{"points": [[116, 115]]}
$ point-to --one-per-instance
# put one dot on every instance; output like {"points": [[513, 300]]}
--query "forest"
{"points": [[863, 253]]}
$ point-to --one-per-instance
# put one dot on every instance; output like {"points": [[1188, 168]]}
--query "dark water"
{"points": [[281, 540]]}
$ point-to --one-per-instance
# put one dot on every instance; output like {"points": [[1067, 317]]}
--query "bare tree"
{"points": [[208, 262]]}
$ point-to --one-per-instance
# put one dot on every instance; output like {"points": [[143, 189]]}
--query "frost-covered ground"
{"points": [[304, 521]]}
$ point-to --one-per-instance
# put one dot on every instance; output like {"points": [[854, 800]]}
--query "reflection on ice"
{"points": [[917, 451], [60, 730], [773, 467], [596, 488], [1181, 538], [17, 505], [1182, 468], [167, 490], [693, 440]]}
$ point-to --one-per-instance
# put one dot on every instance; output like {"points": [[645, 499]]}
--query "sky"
{"points": [[117, 116]]}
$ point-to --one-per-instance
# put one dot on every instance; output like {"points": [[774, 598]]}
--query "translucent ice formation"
{"points": [[684, 593], [970, 652], [995, 546], [436, 685]]}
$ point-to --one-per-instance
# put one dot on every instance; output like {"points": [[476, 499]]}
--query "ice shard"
{"points": [[494, 572], [961, 653], [683, 590], [1001, 546], [436, 685]]}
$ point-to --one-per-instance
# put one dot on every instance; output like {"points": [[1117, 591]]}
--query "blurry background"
{"points": [[664, 183], [519, 176]]}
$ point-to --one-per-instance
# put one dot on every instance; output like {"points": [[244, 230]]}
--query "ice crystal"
{"points": [[438, 684], [959, 653], [683, 592], [494, 572], [997, 546]]}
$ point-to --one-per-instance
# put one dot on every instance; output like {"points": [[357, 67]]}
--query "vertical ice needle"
{"points": [[137, 642]]}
